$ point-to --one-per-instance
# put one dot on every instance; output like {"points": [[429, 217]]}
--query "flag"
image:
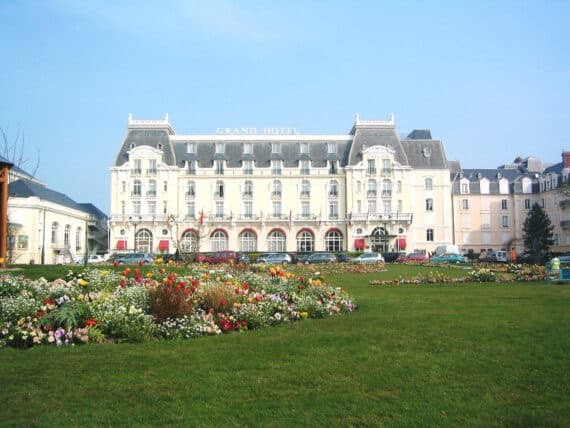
{"points": [[350, 219], [290, 214], [202, 217]]}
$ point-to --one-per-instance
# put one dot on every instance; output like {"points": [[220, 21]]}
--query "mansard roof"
{"points": [[27, 189]]}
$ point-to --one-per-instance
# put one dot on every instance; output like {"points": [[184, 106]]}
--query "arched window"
{"points": [[305, 241], [190, 189], [247, 241], [189, 241], [66, 234], [305, 188], [428, 183], [143, 241], [54, 229], [379, 240], [333, 188], [276, 241], [78, 239], [136, 188], [218, 241], [333, 240], [371, 188]]}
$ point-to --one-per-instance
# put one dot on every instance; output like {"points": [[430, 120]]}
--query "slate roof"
{"points": [[494, 175], [27, 189], [554, 169], [419, 134], [376, 136], [425, 154], [5, 161]]}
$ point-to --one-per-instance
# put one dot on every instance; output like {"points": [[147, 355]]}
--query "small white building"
{"points": [[48, 227]]}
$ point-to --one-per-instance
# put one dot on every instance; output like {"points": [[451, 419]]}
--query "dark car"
{"points": [[343, 258], [321, 258]]}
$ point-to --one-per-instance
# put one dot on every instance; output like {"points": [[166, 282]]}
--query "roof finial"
{"points": [[130, 117], [166, 117], [392, 117], [357, 118]]}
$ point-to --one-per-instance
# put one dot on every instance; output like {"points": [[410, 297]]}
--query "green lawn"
{"points": [[438, 355]]}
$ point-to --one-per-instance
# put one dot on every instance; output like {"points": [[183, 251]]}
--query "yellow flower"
{"points": [[83, 282], [105, 272]]}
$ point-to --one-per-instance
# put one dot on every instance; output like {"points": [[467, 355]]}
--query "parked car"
{"points": [[135, 258], [369, 258], [343, 258], [95, 258], [390, 257], [496, 257], [449, 258], [275, 258], [413, 257], [321, 258], [224, 256]]}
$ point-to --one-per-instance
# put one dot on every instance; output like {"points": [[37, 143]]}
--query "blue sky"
{"points": [[491, 79]]}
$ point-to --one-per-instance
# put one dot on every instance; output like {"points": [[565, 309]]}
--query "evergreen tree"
{"points": [[537, 231]]}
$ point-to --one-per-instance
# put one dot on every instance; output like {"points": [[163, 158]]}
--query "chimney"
{"points": [[566, 159]]}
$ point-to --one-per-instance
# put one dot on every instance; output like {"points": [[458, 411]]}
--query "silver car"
{"points": [[369, 258], [275, 258]]}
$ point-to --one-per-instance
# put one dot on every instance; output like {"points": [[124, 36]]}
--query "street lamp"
{"points": [[135, 221]]}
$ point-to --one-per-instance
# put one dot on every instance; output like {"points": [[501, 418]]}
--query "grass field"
{"points": [[438, 355]]}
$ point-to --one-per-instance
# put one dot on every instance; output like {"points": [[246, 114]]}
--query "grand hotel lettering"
{"points": [[256, 131]]}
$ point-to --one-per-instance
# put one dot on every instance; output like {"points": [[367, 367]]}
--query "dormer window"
{"points": [[331, 148], [276, 148], [219, 148], [191, 148], [303, 147], [248, 148]]}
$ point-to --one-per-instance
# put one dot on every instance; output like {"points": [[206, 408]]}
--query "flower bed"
{"points": [[491, 273], [129, 305]]}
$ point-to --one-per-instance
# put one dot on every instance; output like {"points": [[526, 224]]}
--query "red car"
{"points": [[414, 257]]}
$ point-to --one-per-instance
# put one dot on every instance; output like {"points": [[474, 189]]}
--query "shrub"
{"points": [[170, 302]]}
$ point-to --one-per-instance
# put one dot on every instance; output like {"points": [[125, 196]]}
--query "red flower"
{"points": [[186, 292], [236, 290], [40, 314], [116, 264], [90, 322], [192, 289], [141, 263], [195, 282], [223, 302], [48, 302]]}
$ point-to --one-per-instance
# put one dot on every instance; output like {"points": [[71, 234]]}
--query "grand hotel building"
{"points": [[276, 190]]}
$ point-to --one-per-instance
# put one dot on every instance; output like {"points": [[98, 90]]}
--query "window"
{"points": [[78, 239], [504, 204], [218, 241], [219, 190], [22, 242], [399, 205], [276, 189], [123, 207], [219, 148], [305, 189], [248, 209], [371, 167], [333, 188], [305, 167], [387, 207], [386, 189], [371, 188], [276, 241], [219, 165], [192, 167], [164, 207], [123, 186], [505, 221], [136, 207], [275, 148], [54, 228], [137, 168], [151, 167], [333, 209], [248, 148], [527, 204], [305, 242], [333, 240], [358, 186], [464, 188], [151, 192], [165, 186], [371, 206], [305, 209], [429, 235], [386, 167], [276, 167], [219, 209], [465, 204], [485, 221], [428, 183], [66, 234], [151, 207], [190, 210], [248, 167], [248, 189], [190, 189], [429, 204], [247, 241], [143, 241], [331, 148], [276, 209], [333, 167], [191, 148], [303, 147], [136, 188], [189, 241], [399, 186]]}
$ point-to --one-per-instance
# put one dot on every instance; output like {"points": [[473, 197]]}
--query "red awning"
{"points": [[121, 244], [359, 244], [401, 243], [163, 245]]}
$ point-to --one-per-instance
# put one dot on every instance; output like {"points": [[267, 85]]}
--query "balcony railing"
{"points": [[151, 171], [136, 171], [275, 194], [190, 194], [305, 194], [151, 193], [386, 193], [386, 171], [218, 195], [247, 195], [333, 193], [136, 194], [371, 171], [371, 193]]}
